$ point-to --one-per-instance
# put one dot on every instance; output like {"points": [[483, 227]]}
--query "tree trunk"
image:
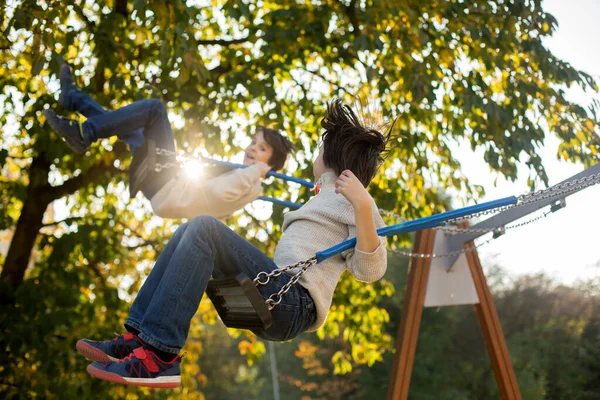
{"points": [[29, 223]]}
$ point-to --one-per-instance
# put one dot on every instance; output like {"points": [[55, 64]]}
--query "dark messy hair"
{"points": [[280, 144], [349, 144]]}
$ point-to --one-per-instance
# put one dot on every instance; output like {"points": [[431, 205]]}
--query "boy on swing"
{"points": [[160, 316], [171, 196]]}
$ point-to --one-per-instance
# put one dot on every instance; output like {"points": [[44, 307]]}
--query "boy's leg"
{"points": [[122, 345], [208, 247], [72, 98], [149, 115], [146, 292]]}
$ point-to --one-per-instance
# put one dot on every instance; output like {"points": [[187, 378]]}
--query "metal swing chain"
{"points": [[392, 215], [164, 152], [275, 298], [561, 189], [456, 231], [444, 255], [524, 199]]}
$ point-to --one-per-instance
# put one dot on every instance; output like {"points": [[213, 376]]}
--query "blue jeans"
{"points": [[199, 249], [132, 123]]}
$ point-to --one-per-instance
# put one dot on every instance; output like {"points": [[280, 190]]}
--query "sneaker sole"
{"points": [[160, 382], [73, 145], [92, 353]]}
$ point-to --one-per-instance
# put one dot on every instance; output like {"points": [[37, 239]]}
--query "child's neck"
{"points": [[324, 172]]}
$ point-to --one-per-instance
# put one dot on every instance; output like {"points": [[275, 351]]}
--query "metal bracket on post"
{"points": [[504, 218], [561, 203]]}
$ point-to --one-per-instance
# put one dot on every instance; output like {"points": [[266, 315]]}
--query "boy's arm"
{"points": [[231, 187], [350, 187], [367, 239], [368, 261]]}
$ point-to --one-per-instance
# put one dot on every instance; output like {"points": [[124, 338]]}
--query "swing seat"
{"points": [[142, 171], [239, 303]]}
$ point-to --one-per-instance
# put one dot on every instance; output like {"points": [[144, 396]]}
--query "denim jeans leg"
{"points": [[144, 296], [79, 101], [150, 115], [208, 247]]}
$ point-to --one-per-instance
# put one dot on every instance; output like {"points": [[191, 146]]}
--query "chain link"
{"points": [[392, 215], [575, 184], [275, 298], [443, 255], [559, 190], [159, 167], [165, 152], [453, 230]]}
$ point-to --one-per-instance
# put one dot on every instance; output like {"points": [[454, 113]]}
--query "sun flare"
{"points": [[193, 169]]}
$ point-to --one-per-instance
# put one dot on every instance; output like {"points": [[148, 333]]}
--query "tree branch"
{"points": [[143, 244], [315, 73], [351, 13], [66, 221], [95, 172], [222, 42], [304, 91], [90, 24], [74, 184], [19, 157], [121, 8], [94, 268]]}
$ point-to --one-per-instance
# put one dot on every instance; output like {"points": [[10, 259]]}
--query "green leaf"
{"points": [[245, 9], [3, 156], [361, 42], [39, 65]]}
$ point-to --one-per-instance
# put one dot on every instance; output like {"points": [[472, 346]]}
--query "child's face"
{"points": [[258, 150]]}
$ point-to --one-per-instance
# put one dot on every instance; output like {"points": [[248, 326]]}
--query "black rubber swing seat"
{"points": [[239, 303]]}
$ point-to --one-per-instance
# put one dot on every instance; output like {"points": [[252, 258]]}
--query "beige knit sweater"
{"points": [[186, 197], [324, 221]]}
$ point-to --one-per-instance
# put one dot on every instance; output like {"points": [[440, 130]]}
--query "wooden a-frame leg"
{"points": [[412, 309], [492, 332]]}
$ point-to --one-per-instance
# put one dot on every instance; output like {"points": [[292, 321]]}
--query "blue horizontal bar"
{"points": [[274, 174], [280, 202], [420, 224]]}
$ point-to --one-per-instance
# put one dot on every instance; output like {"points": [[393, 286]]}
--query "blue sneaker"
{"points": [[109, 350], [70, 130], [66, 83], [140, 368]]}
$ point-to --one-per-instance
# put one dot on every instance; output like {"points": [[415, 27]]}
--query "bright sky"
{"points": [[563, 245]]}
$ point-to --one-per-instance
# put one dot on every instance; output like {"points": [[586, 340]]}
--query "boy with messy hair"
{"points": [[159, 318], [171, 196]]}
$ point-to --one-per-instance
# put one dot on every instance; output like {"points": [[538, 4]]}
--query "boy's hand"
{"points": [[263, 168], [349, 186]]}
